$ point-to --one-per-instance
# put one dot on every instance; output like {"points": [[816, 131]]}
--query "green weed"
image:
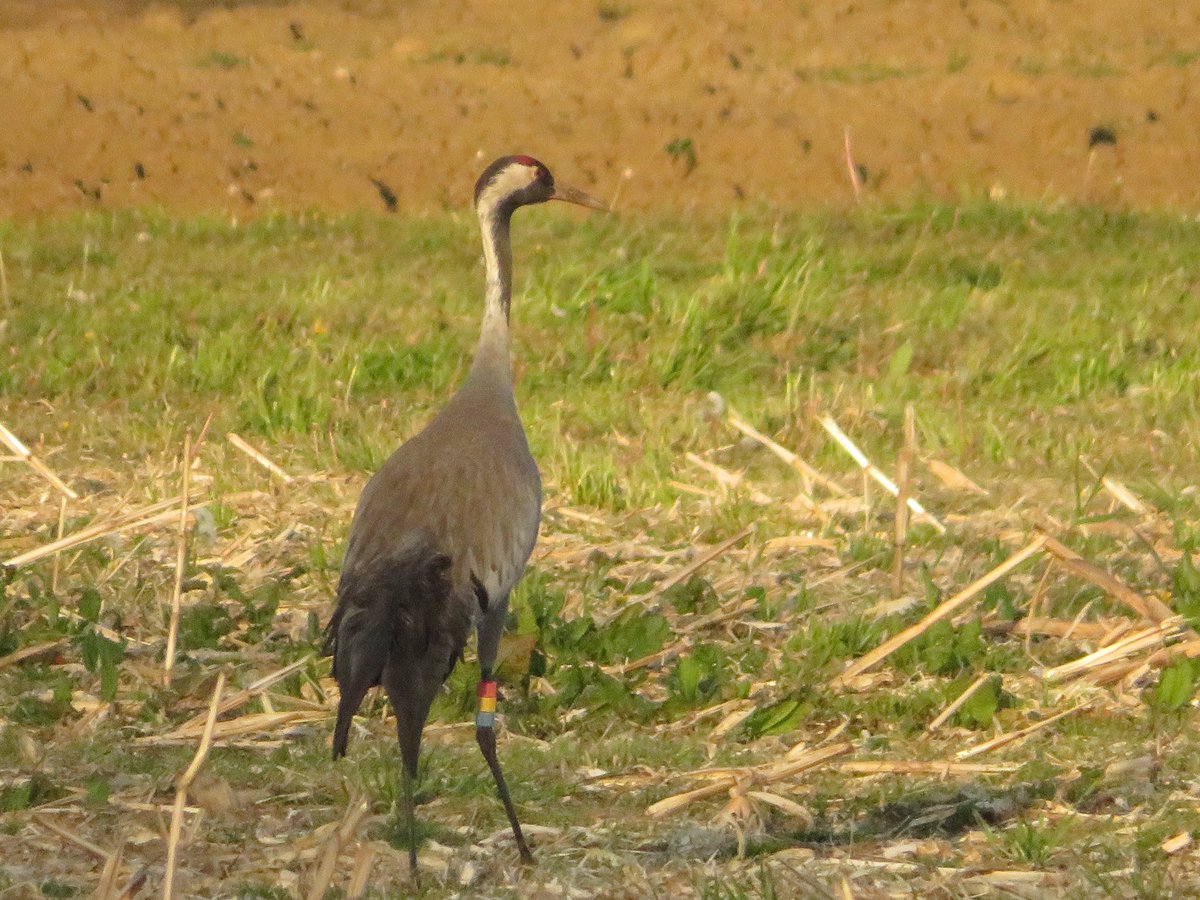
{"points": [[1026, 338]]}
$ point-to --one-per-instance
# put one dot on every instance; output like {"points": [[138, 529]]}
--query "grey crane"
{"points": [[443, 530]]}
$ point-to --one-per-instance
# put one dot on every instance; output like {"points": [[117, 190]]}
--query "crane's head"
{"points": [[513, 181]]}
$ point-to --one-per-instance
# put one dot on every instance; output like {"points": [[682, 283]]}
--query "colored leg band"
{"points": [[486, 717]]}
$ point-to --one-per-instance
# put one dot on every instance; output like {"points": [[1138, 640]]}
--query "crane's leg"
{"points": [[411, 689], [490, 628], [485, 736], [410, 816]]}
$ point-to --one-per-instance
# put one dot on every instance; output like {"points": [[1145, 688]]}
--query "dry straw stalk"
{"points": [[890, 646], [194, 726], [72, 837], [1005, 739], [1125, 496], [36, 464], [153, 514], [181, 547], [726, 780], [869, 468], [181, 789], [107, 887], [900, 535], [1149, 608], [1131, 645], [810, 474], [694, 566], [935, 767], [334, 844], [361, 871], [258, 456], [958, 702]]}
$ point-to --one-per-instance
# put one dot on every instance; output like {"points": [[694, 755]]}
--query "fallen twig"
{"points": [[1059, 628], [696, 564], [691, 568], [670, 652], [33, 652]]}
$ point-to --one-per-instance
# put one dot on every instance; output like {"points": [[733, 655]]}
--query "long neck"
{"points": [[493, 351]]}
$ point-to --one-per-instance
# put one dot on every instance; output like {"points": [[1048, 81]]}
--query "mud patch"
{"points": [[245, 107]]}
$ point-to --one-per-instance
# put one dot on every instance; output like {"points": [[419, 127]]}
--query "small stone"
{"points": [[31, 750], [468, 874], [213, 794], [1101, 135]]}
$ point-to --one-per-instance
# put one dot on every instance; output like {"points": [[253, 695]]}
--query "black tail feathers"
{"points": [[386, 607]]}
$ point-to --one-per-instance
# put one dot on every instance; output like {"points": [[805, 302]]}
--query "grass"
{"points": [[1180, 59], [219, 59], [1041, 349], [861, 73]]}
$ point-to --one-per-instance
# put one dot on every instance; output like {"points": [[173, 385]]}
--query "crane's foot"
{"points": [[412, 870], [485, 737]]}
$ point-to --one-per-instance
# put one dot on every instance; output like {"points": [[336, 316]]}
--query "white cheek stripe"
{"points": [[508, 180]]}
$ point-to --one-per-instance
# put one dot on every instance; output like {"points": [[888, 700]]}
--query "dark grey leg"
{"points": [[490, 628], [485, 736], [411, 817]]}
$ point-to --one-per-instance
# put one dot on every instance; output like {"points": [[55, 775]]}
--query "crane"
{"points": [[443, 530]]}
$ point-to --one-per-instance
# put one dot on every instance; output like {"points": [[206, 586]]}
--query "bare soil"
{"points": [[246, 107]]}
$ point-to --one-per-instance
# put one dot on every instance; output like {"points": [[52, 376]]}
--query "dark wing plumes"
{"points": [[395, 621]]}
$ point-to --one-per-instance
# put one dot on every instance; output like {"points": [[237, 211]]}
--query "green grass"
{"points": [[860, 73], [1178, 58], [361, 326], [219, 59], [1041, 348]]}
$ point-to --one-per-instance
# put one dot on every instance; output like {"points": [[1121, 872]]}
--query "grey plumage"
{"points": [[443, 530]]}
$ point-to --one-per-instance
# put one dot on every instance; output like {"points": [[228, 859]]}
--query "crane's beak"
{"points": [[575, 195]]}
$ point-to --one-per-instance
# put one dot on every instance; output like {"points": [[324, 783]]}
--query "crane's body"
{"points": [[443, 530]]}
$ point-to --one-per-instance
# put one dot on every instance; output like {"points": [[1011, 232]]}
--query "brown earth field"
{"points": [[241, 108]]}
